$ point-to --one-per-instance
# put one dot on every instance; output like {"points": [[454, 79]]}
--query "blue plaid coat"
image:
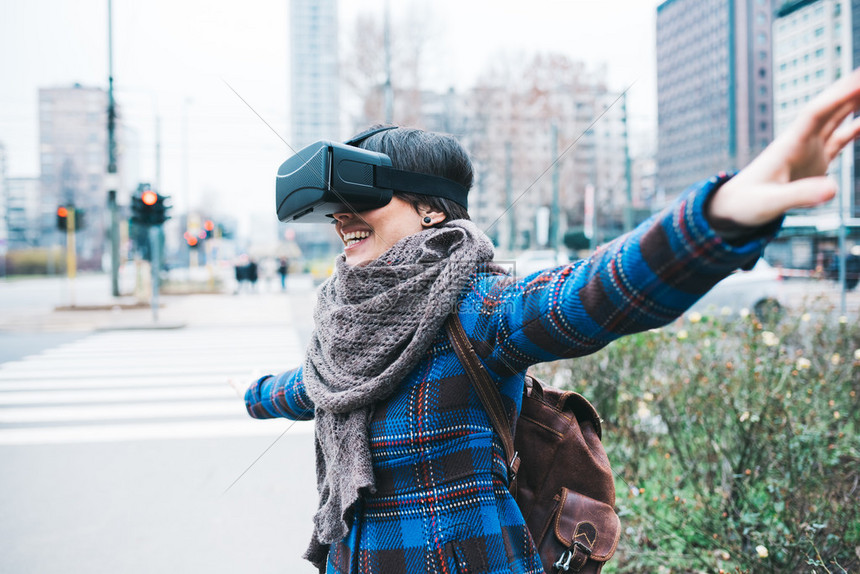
{"points": [[442, 503]]}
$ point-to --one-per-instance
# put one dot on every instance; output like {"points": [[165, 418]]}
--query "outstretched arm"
{"points": [[282, 395], [790, 172]]}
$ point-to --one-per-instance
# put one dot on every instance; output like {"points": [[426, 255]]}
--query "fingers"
{"points": [[238, 386], [838, 118], [834, 104], [754, 204], [843, 136], [807, 192]]}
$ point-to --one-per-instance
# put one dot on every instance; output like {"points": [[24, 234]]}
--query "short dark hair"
{"points": [[432, 153]]}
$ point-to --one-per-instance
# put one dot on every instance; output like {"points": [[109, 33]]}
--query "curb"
{"points": [[141, 327]]}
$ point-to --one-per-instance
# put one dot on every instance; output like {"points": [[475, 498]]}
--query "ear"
{"points": [[436, 217]]}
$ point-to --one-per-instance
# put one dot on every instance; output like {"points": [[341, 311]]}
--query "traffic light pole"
{"points": [[71, 257], [155, 250]]}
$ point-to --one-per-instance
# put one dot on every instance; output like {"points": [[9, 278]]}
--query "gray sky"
{"points": [[173, 58]]}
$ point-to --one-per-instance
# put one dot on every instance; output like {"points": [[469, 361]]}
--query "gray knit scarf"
{"points": [[373, 324]]}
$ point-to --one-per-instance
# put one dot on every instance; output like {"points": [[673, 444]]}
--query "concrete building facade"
{"points": [[314, 96], [524, 176], [73, 163], [4, 211], [813, 46], [22, 211], [314, 76], [714, 89]]}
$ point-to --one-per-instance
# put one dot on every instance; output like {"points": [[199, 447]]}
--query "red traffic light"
{"points": [[149, 197], [208, 225], [62, 212], [190, 239]]}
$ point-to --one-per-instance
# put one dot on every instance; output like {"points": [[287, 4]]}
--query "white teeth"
{"points": [[354, 237]]}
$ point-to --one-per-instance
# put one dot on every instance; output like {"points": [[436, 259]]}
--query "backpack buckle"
{"points": [[572, 554], [514, 467]]}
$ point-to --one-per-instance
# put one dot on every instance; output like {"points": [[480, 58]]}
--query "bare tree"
{"points": [[364, 66]]}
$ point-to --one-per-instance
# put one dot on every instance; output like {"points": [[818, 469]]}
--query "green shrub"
{"points": [[735, 444]]}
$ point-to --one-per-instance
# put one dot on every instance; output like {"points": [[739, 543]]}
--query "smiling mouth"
{"points": [[355, 237]]}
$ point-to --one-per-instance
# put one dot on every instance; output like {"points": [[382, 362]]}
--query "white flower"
{"points": [[805, 317], [761, 551], [769, 338], [803, 363], [835, 359], [836, 415], [648, 396], [843, 320], [694, 317], [682, 334], [744, 313], [726, 311], [857, 355], [744, 416]]}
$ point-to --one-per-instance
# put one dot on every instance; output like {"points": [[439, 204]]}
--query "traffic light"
{"points": [[63, 213], [209, 227], [148, 207], [191, 239], [62, 218]]}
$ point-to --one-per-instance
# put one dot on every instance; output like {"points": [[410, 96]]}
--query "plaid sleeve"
{"points": [[281, 395], [640, 281]]}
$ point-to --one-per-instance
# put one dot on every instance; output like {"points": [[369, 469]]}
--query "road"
{"points": [[124, 449]]}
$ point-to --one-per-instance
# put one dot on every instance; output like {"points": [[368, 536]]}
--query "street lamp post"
{"points": [[111, 166]]}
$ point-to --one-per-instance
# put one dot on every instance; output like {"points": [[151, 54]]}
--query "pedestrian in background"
{"points": [[411, 475], [252, 273], [283, 269]]}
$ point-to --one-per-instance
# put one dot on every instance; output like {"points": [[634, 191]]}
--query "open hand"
{"points": [[790, 172], [240, 385]]}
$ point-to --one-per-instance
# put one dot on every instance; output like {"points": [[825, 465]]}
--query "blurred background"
{"points": [[582, 118]]}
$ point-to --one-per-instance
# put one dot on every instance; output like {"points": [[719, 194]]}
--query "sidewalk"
{"points": [[98, 310]]}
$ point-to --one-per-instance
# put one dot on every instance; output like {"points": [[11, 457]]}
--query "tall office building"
{"points": [[22, 211], [855, 63], [315, 104], [4, 214], [812, 48], [812, 42], [315, 100], [73, 158], [714, 93]]}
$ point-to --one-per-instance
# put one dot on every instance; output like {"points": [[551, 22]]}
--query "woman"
{"points": [[410, 475]]}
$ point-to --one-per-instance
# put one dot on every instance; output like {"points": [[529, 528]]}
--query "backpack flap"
{"points": [[588, 528]]}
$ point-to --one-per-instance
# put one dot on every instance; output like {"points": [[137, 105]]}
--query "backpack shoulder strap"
{"points": [[486, 389]]}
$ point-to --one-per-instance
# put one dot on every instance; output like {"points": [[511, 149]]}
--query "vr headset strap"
{"points": [[421, 183]]}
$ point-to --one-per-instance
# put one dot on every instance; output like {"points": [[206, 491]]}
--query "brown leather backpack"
{"points": [[559, 472]]}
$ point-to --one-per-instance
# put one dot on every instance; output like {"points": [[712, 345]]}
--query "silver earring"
{"points": [[427, 220]]}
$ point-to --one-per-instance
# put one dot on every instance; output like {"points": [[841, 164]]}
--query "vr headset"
{"points": [[329, 177]]}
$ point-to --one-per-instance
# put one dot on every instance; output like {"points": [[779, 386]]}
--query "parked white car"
{"points": [[759, 290]]}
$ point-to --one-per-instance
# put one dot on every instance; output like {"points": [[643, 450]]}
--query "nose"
{"points": [[342, 216]]}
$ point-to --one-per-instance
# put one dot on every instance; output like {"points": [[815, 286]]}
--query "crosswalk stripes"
{"points": [[143, 385]]}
